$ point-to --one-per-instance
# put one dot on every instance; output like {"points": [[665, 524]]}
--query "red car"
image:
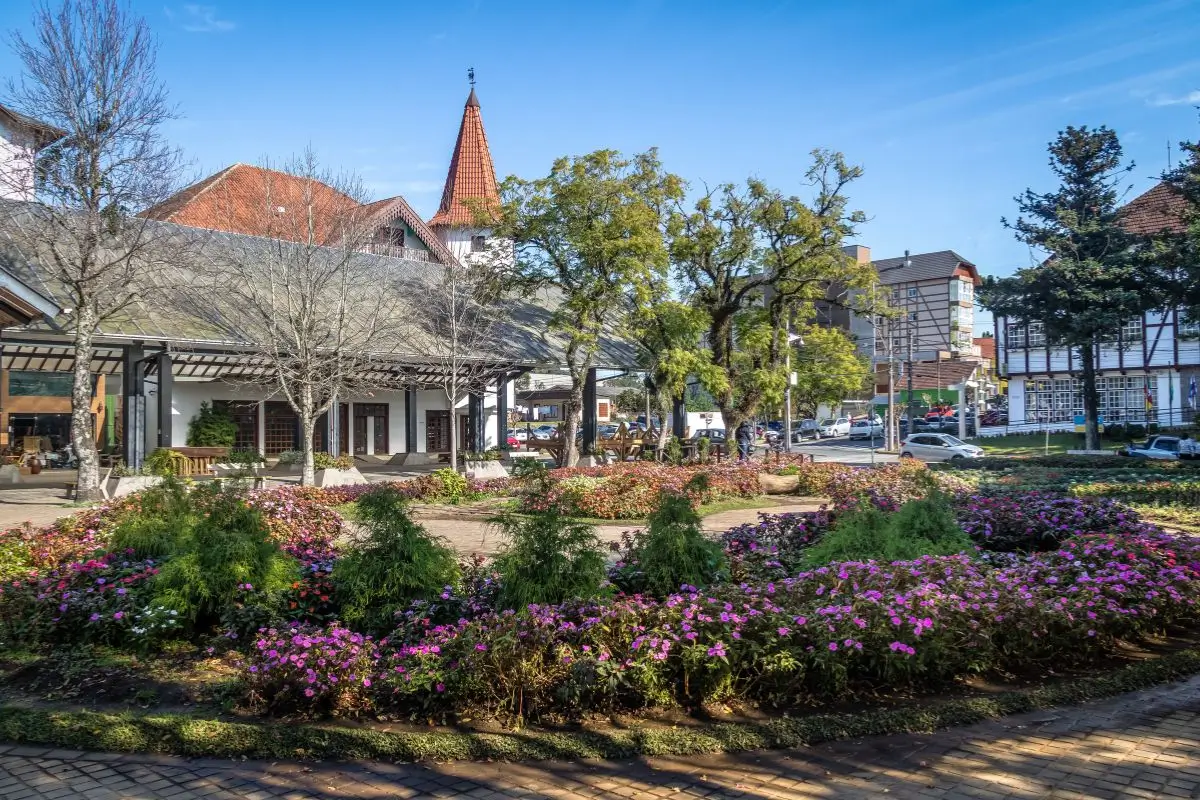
{"points": [[513, 442]]}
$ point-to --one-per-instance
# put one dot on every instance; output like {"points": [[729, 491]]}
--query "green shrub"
{"points": [[451, 486], [673, 452], [163, 462], [671, 551], [211, 427], [164, 514], [326, 461], [244, 461], [920, 528], [549, 559], [228, 551], [398, 563], [703, 448]]}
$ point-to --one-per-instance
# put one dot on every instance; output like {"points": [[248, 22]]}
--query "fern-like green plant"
{"points": [[153, 529], [920, 528], [226, 550], [548, 559], [673, 550], [399, 562]]}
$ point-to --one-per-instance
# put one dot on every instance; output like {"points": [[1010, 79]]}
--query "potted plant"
{"points": [[335, 471], [484, 466]]}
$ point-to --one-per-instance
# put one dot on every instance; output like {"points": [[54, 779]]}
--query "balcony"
{"points": [[397, 251]]}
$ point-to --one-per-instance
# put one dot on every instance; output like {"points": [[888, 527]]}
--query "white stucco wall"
{"points": [[187, 396], [16, 163]]}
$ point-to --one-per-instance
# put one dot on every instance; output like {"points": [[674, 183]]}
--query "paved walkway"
{"points": [[1141, 745]]}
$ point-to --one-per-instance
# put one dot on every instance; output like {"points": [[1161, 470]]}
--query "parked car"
{"points": [[513, 442], [1158, 448], [834, 427], [714, 435], [920, 426], [606, 430], [866, 429], [806, 429], [937, 447], [544, 431], [519, 434]]}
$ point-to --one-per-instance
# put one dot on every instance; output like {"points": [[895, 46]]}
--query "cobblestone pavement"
{"points": [[1141, 745]]}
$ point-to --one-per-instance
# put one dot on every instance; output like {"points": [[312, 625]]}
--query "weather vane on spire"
{"points": [[471, 76]]}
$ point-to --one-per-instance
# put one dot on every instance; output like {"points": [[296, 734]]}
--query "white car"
{"points": [[520, 434], [937, 447], [864, 429], [834, 427], [545, 431], [1157, 448]]}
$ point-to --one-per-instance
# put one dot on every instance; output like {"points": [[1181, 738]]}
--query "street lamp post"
{"points": [[787, 392]]}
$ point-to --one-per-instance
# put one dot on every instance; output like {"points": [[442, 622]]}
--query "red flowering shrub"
{"points": [[633, 490]]}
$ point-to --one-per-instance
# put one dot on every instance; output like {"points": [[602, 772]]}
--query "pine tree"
{"points": [[1093, 278]]}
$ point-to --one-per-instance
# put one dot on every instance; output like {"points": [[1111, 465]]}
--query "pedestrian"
{"points": [[745, 440], [1188, 447]]}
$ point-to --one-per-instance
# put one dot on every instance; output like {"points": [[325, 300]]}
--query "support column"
{"points": [[679, 417], [133, 407], [410, 421], [332, 428], [166, 381], [590, 421], [475, 422], [502, 412]]}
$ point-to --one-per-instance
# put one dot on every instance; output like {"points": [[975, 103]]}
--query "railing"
{"points": [[396, 251]]}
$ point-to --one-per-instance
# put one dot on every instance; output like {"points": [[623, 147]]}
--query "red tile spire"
{"points": [[471, 181]]}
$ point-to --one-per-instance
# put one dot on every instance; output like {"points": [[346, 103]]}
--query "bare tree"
{"points": [[90, 72], [318, 312], [459, 319]]}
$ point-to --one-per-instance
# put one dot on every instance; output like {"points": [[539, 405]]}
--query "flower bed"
{"points": [[838, 632], [633, 490], [1029, 521]]}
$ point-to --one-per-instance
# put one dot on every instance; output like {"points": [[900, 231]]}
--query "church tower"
{"points": [[470, 190]]}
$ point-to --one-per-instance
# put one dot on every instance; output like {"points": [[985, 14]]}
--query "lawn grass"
{"points": [[196, 735], [1024, 445]]}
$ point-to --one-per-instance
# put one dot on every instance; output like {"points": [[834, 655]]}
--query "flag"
{"points": [[1149, 399], [1192, 393]]}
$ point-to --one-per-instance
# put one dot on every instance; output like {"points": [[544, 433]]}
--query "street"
{"points": [[843, 450]]}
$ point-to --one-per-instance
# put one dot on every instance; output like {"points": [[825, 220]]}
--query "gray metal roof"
{"points": [[525, 336], [923, 267]]}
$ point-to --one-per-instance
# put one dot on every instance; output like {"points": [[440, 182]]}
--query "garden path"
{"points": [[1140, 745], [469, 535]]}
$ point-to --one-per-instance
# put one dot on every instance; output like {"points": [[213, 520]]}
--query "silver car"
{"points": [[937, 447]]}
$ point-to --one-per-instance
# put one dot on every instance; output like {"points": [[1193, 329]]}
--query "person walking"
{"points": [[745, 440]]}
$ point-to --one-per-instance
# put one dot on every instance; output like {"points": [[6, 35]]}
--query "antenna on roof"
{"points": [[1168, 155], [471, 76]]}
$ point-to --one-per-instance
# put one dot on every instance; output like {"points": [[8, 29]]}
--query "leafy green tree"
{"points": [[592, 230], [670, 334], [828, 368], [1177, 247], [755, 261], [1093, 280], [630, 401]]}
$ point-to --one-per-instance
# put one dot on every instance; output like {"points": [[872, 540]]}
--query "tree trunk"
{"points": [[307, 421], [1091, 398], [83, 426], [664, 410], [570, 423], [454, 432]]}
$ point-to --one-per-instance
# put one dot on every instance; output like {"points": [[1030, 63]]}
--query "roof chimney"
{"points": [[860, 253]]}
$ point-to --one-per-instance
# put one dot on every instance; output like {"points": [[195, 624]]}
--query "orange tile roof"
{"points": [[263, 202], [987, 346], [472, 176], [1158, 210]]}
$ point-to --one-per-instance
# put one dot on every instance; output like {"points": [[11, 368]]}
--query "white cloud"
{"points": [[1191, 98], [199, 19]]}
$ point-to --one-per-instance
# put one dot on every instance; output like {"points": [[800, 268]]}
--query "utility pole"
{"points": [[909, 367]]}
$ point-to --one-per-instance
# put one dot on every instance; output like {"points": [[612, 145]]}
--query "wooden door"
{"points": [[360, 435], [437, 431]]}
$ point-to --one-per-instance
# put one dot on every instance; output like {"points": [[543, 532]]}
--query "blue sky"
{"points": [[947, 105]]}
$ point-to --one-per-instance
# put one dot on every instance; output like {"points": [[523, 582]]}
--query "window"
{"points": [[912, 316], [895, 294], [1122, 399], [41, 384], [1037, 334], [913, 292], [897, 343], [1188, 329], [1131, 331], [478, 244], [1014, 335]]}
